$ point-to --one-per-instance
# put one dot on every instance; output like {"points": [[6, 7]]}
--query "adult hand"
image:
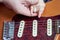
{"points": [[21, 6]]}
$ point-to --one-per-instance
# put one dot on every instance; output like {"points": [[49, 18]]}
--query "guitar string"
{"points": [[37, 20], [40, 23]]}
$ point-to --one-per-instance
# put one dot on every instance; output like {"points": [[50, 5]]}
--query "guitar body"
{"points": [[52, 9], [42, 27]]}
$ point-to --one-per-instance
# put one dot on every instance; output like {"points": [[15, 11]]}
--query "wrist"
{"points": [[1, 1]]}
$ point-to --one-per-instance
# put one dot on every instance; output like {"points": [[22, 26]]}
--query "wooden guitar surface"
{"points": [[52, 9]]}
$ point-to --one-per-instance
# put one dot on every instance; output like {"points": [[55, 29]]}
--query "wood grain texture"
{"points": [[52, 9]]}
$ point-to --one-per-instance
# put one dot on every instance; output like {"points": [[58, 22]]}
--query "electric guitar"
{"points": [[31, 28], [52, 9]]}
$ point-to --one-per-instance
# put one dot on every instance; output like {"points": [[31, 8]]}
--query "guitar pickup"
{"points": [[21, 28], [49, 27], [35, 27], [8, 32]]}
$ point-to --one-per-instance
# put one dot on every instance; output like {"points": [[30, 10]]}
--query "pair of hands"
{"points": [[22, 6]]}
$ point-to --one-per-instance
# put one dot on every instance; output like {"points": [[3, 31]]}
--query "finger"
{"points": [[31, 10], [40, 13], [41, 10], [34, 14]]}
